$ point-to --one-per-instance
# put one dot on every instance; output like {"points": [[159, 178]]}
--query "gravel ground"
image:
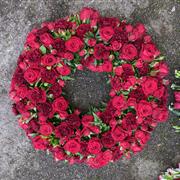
{"points": [[18, 160]]}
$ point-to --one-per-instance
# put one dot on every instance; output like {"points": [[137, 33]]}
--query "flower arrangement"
{"points": [[137, 99]]}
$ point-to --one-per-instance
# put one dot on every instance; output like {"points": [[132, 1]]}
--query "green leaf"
{"points": [[174, 111], [43, 49], [177, 74], [66, 78]]}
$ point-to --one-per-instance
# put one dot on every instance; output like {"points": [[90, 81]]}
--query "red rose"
{"points": [[159, 92], [60, 104], [106, 33], [89, 13], [48, 60], [118, 102], [176, 105], [39, 143], [118, 134], [162, 69], [149, 52], [142, 136], [116, 45], [149, 86], [58, 153], [63, 70], [129, 52], [63, 130], [144, 108], [107, 66], [37, 95], [94, 146], [74, 44], [48, 76], [160, 114], [31, 75], [87, 120], [100, 52], [72, 146], [118, 70], [46, 39], [45, 129]]}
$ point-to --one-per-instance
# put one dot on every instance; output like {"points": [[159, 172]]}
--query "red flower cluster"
{"points": [[138, 93]]}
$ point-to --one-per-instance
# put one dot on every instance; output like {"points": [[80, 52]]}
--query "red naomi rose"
{"points": [[31, 75], [119, 102], [39, 143], [45, 129], [94, 146], [160, 114], [89, 13], [48, 76], [63, 70], [72, 146], [46, 39], [129, 52], [106, 33], [87, 120], [118, 134], [74, 44], [150, 86], [144, 108], [48, 60], [149, 52], [60, 104]]}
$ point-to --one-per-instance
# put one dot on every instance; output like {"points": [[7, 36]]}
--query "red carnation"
{"points": [[94, 146], [106, 33], [48, 60], [72, 146], [60, 104], [63, 130], [46, 39], [74, 44], [149, 86], [100, 52], [48, 76], [160, 114], [37, 95], [144, 108], [45, 129], [149, 52], [31, 75], [87, 120], [129, 52], [107, 140]]}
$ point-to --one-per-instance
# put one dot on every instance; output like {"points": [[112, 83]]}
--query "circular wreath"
{"points": [[137, 99]]}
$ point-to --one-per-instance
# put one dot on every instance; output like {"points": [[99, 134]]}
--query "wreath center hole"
{"points": [[87, 89]]}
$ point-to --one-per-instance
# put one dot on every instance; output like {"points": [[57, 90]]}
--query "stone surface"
{"points": [[18, 160]]}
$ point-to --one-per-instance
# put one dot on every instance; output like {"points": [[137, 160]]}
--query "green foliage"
{"points": [[43, 49]]}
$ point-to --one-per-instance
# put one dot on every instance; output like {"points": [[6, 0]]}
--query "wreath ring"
{"points": [[138, 94]]}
